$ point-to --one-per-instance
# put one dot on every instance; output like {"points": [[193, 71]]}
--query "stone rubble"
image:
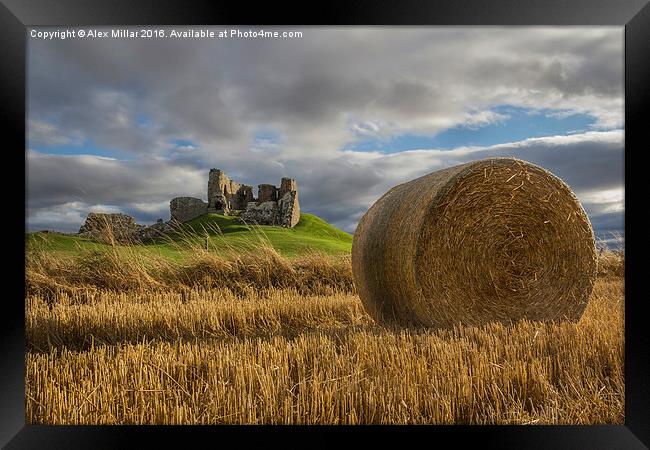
{"points": [[106, 227]]}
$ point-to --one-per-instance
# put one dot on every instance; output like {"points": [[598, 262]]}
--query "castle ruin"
{"points": [[273, 205]]}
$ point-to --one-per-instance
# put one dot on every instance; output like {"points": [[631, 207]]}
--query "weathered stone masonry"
{"points": [[182, 209], [225, 195], [121, 228], [273, 206], [110, 227]]}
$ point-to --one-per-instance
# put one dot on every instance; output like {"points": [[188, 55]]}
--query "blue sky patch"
{"points": [[266, 136], [143, 120], [523, 123], [182, 143]]}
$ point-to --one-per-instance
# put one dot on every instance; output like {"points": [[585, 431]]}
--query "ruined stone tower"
{"points": [[273, 206], [225, 195]]}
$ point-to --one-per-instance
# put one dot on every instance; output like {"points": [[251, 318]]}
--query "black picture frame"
{"points": [[17, 15]]}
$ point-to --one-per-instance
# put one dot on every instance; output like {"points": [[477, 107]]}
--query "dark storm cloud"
{"points": [[58, 179], [104, 88], [400, 78], [584, 165]]}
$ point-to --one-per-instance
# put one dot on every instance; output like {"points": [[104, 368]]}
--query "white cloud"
{"points": [[184, 148], [365, 128], [41, 132], [616, 195], [66, 217], [483, 118], [105, 209], [161, 208]]}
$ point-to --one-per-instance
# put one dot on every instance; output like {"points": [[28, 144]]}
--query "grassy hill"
{"points": [[224, 235]]}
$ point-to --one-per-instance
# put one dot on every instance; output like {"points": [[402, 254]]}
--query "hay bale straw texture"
{"points": [[494, 240]]}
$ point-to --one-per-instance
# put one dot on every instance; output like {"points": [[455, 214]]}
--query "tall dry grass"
{"points": [[136, 269], [192, 350]]}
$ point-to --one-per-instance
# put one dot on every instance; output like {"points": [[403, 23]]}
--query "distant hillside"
{"points": [[224, 234]]}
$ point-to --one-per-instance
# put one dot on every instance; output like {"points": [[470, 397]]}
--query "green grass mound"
{"points": [[224, 235]]}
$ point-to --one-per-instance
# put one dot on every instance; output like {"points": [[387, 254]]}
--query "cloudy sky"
{"points": [[127, 124]]}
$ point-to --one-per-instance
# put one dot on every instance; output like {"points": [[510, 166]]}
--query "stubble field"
{"points": [[124, 342]]}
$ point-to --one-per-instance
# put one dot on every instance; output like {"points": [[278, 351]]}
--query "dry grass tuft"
{"points": [[612, 262], [116, 269]]}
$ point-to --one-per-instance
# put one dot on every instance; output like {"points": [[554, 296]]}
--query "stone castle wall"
{"points": [[289, 209], [273, 206], [183, 209], [225, 195], [267, 193]]}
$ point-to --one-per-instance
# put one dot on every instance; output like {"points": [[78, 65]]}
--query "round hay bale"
{"points": [[494, 240]]}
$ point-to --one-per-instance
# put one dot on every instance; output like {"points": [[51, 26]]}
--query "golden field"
{"points": [[271, 340]]}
